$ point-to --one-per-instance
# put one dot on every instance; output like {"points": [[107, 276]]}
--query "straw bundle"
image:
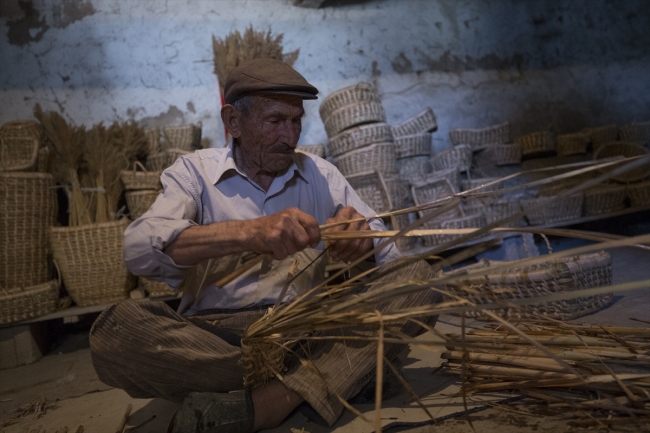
{"points": [[480, 138], [419, 124], [572, 144], [454, 157], [236, 49], [636, 132], [625, 149]]}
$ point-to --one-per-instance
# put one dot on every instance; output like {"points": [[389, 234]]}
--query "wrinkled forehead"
{"points": [[288, 104]]}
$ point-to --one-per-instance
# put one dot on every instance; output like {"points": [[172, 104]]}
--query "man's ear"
{"points": [[231, 118]]}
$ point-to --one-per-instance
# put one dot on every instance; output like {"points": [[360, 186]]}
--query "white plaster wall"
{"points": [[537, 63]]}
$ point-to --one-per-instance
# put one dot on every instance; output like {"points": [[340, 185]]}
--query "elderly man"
{"points": [[257, 195]]}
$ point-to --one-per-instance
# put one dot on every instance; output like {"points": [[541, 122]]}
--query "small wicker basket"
{"points": [[91, 262], [639, 194], [602, 134], [134, 180], [529, 282], [153, 140], [140, 201], [185, 137], [452, 175], [572, 144], [22, 129], [431, 190], [352, 115], [504, 154], [553, 209], [539, 143], [372, 190], [635, 132], [604, 199], [360, 136], [621, 148], [23, 303], [379, 157], [423, 122], [480, 138], [361, 93], [413, 145], [454, 157], [18, 154], [414, 168], [314, 149]]}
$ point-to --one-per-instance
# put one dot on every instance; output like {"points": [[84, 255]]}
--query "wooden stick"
{"points": [[125, 418]]}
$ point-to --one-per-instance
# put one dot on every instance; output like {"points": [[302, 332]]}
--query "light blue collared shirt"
{"points": [[206, 187]]}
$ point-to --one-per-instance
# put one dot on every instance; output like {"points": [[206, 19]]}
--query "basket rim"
{"points": [[364, 149], [62, 229], [26, 174]]}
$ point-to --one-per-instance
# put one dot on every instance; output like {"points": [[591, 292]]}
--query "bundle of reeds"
{"points": [[587, 367], [236, 49]]}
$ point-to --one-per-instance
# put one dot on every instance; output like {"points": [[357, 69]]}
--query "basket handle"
{"points": [[137, 164]]}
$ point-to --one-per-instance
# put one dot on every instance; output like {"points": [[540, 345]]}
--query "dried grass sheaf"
{"points": [[338, 306], [236, 49]]}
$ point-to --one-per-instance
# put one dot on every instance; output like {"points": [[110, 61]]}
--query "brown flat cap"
{"points": [[267, 76]]}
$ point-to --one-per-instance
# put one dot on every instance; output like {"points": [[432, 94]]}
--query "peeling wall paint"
{"points": [[559, 64]]}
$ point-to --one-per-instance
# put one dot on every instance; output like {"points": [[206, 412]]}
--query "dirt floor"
{"points": [[74, 395]]}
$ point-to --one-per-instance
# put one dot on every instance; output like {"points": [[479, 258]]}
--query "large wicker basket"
{"points": [[140, 201], [352, 115], [23, 303], [504, 154], [454, 157], [635, 132], [551, 210], [360, 136], [28, 207], [628, 150], [604, 199], [423, 122], [639, 194], [539, 143], [18, 154], [372, 190], [565, 275], [480, 138], [414, 168], [413, 145], [134, 179], [572, 144], [185, 137], [379, 157], [91, 262], [361, 93]]}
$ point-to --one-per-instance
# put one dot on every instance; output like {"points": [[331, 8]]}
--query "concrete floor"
{"points": [[69, 381]]}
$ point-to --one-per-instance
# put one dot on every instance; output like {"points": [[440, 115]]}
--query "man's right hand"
{"points": [[283, 233]]}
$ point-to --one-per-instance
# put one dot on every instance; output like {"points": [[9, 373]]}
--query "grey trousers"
{"points": [[150, 351]]}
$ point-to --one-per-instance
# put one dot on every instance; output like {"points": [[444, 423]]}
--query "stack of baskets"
{"points": [[494, 140], [413, 145], [28, 207], [179, 140]]}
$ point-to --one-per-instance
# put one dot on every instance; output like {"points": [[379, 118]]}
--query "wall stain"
{"points": [[172, 116], [30, 28], [190, 107], [70, 11], [449, 62], [401, 64], [375, 70]]}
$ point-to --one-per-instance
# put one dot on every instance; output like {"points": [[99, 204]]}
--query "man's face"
{"points": [[270, 133]]}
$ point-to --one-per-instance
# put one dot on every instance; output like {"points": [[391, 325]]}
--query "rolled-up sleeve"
{"points": [[174, 210]]}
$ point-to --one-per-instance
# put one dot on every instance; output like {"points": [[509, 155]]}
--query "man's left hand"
{"points": [[347, 250]]}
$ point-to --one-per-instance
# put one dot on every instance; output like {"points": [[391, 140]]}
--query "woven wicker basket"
{"points": [[464, 222], [604, 199], [407, 242], [23, 303], [452, 175], [504, 154], [413, 145], [431, 190], [353, 115], [261, 361], [28, 207], [480, 138], [140, 201], [360, 136], [639, 194], [553, 209], [635, 132], [602, 134], [22, 129], [18, 154], [91, 262], [572, 144], [454, 157], [157, 162], [565, 275], [43, 165], [415, 168], [399, 192], [361, 93], [185, 137], [157, 289], [621, 148], [314, 149], [499, 209], [423, 122], [537, 143], [153, 140], [372, 190], [379, 157], [134, 180]]}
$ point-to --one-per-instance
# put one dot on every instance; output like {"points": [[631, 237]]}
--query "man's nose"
{"points": [[290, 132]]}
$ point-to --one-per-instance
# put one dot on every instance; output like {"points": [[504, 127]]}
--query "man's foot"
{"points": [[212, 412]]}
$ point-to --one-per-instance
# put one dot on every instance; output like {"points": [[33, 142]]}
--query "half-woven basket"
{"points": [[353, 115], [186, 137], [379, 157], [622, 148], [28, 208], [18, 153], [23, 303], [572, 144], [407, 146], [480, 138], [453, 157], [635, 132], [91, 262], [529, 282], [539, 143], [138, 202], [133, 179], [421, 123], [359, 136], [360, 93], [372, 190]]}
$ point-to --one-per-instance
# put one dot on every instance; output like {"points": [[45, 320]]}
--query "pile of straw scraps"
{"points": [[36, 409]]}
